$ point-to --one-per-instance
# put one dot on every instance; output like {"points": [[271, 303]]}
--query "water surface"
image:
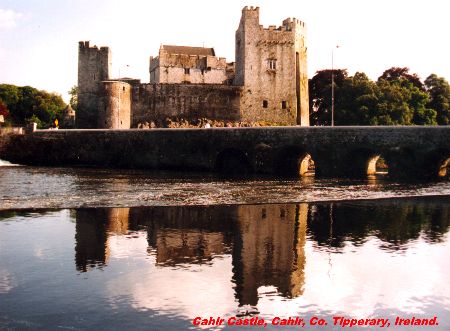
{"points": [[159, 267], [40, 187]]}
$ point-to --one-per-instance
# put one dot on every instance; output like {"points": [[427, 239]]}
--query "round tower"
{"points": [[114, 108]]}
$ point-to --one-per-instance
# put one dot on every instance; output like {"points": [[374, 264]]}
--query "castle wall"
{"points": [[94, 66], [114, 108], [177, 75], [272, 73], [156, 102]]}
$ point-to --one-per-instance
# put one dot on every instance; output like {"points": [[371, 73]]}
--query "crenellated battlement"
{"points": [[84, 46], [250, 8], [293, 20], [251, 13], [291, 23]]}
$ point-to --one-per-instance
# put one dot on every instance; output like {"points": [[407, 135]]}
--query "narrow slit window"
{"points": [[272, 64], [283, 104], [265, 103]]}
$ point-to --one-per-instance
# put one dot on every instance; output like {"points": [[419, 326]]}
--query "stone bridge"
{"points": [[413, 152]]}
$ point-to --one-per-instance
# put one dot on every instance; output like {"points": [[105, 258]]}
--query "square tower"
{"points": [[94, 66], [271, 66]]}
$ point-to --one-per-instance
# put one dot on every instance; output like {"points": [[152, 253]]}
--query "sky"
{"points": [[39, 39]]}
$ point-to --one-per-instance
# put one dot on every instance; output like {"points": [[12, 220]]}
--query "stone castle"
{"points": [[267, 83]]}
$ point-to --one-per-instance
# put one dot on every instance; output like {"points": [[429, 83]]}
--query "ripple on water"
{"points": [[40, 187]]}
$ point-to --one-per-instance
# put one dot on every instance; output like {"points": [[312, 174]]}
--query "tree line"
{"points": [[396, 98], [20, 105]]}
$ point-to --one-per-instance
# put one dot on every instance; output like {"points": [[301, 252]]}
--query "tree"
{"points": [[27, 103], [401, 103], [320, 94], [439, 91], [397, 98], [396, 73], [74, 97], [355, 100]]}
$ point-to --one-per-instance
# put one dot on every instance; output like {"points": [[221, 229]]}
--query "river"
{"points": [[113, 249]]}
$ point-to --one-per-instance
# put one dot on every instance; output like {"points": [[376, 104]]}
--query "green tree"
{"points": [[26, 103], [439, 91], [320, 94], [354, 100], [74, 97], [396, 98], [396, 73], [401, 102], [392, 107]]}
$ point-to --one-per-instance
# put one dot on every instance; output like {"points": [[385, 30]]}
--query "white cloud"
{"points": [[9, 18]]}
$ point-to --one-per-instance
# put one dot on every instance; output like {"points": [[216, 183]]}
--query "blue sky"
{"points": [[39, 39]]}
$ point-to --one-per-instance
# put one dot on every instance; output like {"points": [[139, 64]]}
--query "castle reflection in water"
{"points": [[266, 242]]}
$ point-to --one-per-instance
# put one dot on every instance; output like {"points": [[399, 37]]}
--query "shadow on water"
{"points": [[266, 242]]}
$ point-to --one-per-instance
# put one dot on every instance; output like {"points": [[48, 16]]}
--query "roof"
{"points": [[69, 110], [188, 50]]}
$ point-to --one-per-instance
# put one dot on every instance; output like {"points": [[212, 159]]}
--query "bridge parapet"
{"points": [[337, 152]]}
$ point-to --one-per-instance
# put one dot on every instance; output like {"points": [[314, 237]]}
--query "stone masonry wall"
{"points": [[184, 68], [155, 102], [178, 75]]}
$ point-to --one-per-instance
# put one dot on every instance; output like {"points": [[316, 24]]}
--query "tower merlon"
{"points": [[250, 12], [83, 44], [250, 8], [293, 22]]}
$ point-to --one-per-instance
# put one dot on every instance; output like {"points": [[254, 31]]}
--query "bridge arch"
{"points": [[233, 161], [364, 162], [437, 164], [293, 161], [444, 166]]}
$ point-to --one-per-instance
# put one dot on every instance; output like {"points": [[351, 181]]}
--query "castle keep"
{"points": [[267, 83]]}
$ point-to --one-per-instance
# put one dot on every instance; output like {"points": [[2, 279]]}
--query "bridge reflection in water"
{"points": [[266, 242]]}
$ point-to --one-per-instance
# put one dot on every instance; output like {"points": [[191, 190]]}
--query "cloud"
{"points": [[9, 18]]}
